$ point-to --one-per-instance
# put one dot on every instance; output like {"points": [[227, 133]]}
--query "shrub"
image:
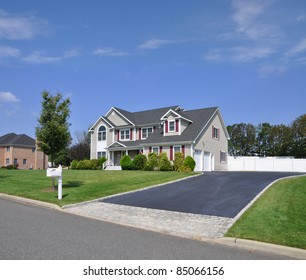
{"points": [[126, 163], [152, 163], [81, 165], [189, 162], [164, 162], [178, 161], [140, 162], [101, 161], [74, 164], [95, 164]]}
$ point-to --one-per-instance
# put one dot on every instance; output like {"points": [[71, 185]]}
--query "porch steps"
{"points": [[113, 168]]}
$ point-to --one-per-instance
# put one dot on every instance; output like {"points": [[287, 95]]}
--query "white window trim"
{"points": [[102, 134], [125, 130], [169, 130], [155, 147], [147, 132], [217, 128], [225, 155]]}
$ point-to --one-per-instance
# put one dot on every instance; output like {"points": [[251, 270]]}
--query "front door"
{"points": [[117, 158]]}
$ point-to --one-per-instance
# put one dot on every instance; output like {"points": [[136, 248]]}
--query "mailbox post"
{"points": [[56, 172]]}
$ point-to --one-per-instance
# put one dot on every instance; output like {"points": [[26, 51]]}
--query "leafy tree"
{"points": [[299, 137], [52, 132], [242, 139]]}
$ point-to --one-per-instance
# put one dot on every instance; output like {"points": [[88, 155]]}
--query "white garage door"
{"points": [[198, 158]]}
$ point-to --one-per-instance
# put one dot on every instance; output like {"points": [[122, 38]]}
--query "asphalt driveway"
{"points": [[222, 194]]}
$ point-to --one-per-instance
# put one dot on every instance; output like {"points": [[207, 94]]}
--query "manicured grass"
{"points": [[80, 185], [278, 217]]}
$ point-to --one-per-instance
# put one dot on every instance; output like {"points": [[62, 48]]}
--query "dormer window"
{"points": [[145, 132], [171, 126]]}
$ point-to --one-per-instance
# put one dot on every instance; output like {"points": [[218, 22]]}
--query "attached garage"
{"points": [[204, 161]]}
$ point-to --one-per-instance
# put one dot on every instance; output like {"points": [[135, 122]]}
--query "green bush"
{"points": [[101, 161], [81, 165], [126, 163], [95, 164], [152, 163], [140, 162], [189, 163], [178, 161], [164, 162], [74, 164]]}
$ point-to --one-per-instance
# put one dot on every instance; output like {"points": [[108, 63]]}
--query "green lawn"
{"points": [[80, 185], [279, 216]]}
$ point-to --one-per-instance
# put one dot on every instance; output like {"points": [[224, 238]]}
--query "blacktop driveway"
{"points": [[222, 194]]}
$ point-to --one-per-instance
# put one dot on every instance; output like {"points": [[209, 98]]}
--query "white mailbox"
{"points": [[56, 172]]}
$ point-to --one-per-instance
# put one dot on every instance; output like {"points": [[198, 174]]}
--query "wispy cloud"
{"points": [[247, 54], [39, 57], [18, 27], [109, 52], [301, 18], [248, 20], [297, 49], [6, 51], [268, 70], [8, 97], [154, 44], [214, 55]]}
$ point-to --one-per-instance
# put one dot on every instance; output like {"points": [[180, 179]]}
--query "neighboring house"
{"points": [[21, 151], [200, 133]]}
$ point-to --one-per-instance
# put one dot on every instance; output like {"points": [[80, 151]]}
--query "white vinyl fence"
{"points": [[266, 164]]}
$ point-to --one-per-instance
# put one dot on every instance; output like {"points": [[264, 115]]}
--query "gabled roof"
{"points": [[200, 118], [13, 139], [179, 115]]}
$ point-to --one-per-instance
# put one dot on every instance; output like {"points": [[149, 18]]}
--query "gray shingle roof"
{"points": [[147, 117], [13, 139]]}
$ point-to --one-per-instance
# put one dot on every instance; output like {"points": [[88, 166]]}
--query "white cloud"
{"points": [[297, 49], [8, 97], [156, 44], [301, 18], [248, 19], [18, 27], [6, 51], [247, 54], [39, 57], [268, 70], [214, 55], [109, 52]]}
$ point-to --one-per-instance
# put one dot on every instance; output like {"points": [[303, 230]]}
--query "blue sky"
{"points": [[247, 57]]}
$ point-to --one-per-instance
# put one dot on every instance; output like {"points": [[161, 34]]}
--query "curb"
{"points": [[29, 201], [262, 246]]}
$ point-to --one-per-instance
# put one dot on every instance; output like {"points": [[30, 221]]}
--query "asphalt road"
{"points": [[31, 233], [222, 194]]}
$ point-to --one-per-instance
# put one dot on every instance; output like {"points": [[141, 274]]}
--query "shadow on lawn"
{"points": [[73, 184]]}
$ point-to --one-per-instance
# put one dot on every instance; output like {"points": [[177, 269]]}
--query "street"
{"points": [[33, 233]]}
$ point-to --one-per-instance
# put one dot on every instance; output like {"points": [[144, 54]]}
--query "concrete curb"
{"points": [[29, 201], [262, 246]]}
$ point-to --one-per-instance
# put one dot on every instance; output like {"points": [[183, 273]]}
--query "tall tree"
{"points": [[299, 137], [242, 139], [52, 133]]}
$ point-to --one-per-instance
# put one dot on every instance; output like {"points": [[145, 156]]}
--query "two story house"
{"points": [[21, 151], [199, 133]]}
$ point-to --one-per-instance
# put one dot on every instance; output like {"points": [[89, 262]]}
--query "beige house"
{"points": [[21, 151], [200, 133]]}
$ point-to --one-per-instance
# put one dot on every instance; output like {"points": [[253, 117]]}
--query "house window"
{"points": [[223, 157], [7, 161], [24, 161], [145, 132], [125, 134], [8, 149], [215, 133], [15, 161], [102, 133], [171, 126], [155, 150], [101, 154], [33, 150], [176, 149]]}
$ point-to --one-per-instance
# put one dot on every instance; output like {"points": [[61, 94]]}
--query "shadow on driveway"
{"points": [[222, 194]]}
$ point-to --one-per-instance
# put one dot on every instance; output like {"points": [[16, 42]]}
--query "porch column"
{"points": [[127, 152]]}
